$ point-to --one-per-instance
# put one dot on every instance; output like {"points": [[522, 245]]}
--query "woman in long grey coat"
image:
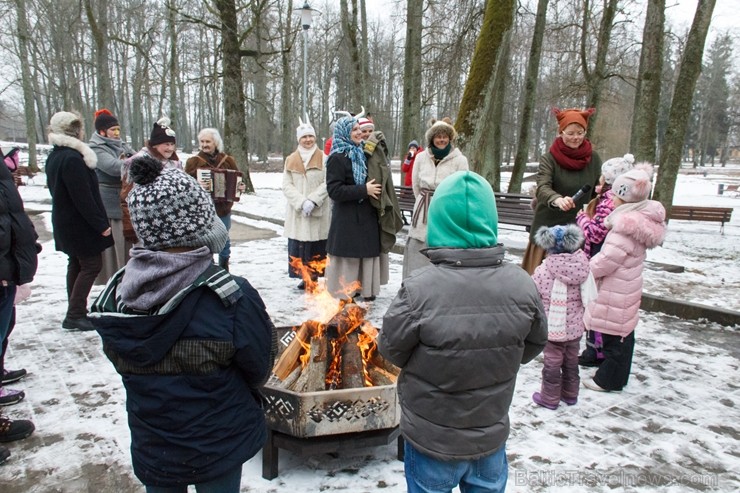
{"points": [[308, 212], [111, 152]]}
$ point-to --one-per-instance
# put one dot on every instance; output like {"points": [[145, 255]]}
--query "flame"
{"points": [[310, 271]]}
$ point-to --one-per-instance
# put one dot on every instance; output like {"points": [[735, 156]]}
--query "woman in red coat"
{"points": [[408, 163]]}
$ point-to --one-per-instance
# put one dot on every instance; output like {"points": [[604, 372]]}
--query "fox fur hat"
{"points": [[559, 239]]}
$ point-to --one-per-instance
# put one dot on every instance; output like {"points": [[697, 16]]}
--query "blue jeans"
{"points": [[425, 474], [226, 252], [227, 483]]}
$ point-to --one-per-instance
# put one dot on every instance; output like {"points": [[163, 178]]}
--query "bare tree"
{"points": [[411, 113], [644, 136], [529, 98], [691, 62]]}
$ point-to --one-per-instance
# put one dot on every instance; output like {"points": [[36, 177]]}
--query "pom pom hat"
{"points": [[633, 186], [104, 120], [566, 117], [366, 123], [170, 209], [161, 132], [559, 239], [616, 166]]}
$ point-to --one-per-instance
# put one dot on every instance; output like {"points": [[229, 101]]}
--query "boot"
{"points": [[223, 262]]}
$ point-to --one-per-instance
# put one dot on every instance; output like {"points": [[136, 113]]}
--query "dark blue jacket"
{"points": [[192, 379]]}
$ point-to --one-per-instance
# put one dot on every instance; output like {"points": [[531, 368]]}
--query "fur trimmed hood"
{"points": [[88, 155], [644, 222]]}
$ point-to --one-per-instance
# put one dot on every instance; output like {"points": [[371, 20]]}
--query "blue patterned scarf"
{"points": [[342, 143]]}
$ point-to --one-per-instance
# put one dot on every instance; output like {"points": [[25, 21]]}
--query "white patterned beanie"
{"points": [[169, 209], [616, 166]]}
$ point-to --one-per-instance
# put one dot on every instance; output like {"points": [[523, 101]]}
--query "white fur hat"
{"points": [[633, 186], [303, 129], [66, 123]]}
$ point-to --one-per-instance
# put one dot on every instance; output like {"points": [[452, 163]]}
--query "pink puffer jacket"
{"points": [[618, 267]]}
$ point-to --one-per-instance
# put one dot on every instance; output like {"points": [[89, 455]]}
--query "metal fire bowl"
{"points": [[329, 412]]}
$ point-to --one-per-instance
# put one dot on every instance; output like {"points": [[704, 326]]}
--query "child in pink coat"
{"points": [[591, 221], [636, 225], [565, 285]]}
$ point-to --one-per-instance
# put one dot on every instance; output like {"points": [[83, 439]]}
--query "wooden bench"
{"points": [[406, 201], [694, 213], [513, 208]]}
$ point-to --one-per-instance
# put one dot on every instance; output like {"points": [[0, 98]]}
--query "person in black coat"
{"points": [[193, 344], [353, 244], [78, 217], [18, 263]]}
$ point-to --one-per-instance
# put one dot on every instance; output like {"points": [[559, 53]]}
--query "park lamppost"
{"points": [[306, 19]]}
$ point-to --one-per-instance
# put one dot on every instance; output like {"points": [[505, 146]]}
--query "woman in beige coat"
{"points": [[309, 210], [438, 161]]}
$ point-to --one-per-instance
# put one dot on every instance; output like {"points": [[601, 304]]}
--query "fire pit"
{"points": [[322, 421]]}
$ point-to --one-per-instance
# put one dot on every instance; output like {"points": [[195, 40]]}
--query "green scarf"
{"points": [[440, 154]]}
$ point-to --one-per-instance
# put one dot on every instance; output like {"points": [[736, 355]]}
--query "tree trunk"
{"points": [[595, 78], [529, 98], [287, 117], [26, 82], [644, 135], [497, 19], [691, 63], [357, 92], [411, 114], [235, 127], [99, 30]]}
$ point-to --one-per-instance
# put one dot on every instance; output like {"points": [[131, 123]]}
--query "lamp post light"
{"points": [[306, 19]]}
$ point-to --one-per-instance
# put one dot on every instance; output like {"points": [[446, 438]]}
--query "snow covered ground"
{"points": [[674, 428]]}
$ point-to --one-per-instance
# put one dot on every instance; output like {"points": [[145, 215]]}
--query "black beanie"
{"points": [[161, 132], [104, 120]]}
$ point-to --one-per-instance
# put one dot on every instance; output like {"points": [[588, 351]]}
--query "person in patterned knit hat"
{"points": [[192, 343]]}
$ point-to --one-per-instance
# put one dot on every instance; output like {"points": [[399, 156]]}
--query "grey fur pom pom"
{"points": [[559, 239], [144, 170]]}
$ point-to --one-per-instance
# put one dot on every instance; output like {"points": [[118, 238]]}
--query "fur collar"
{"points": [[294, 162], [88, 155], [642, 221]]}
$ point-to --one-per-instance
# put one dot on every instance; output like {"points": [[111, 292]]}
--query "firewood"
{"points": [[289, 359], [379, 361], [290, 381], [380, 377], [352, 374], [313, 376], [348, 319]]}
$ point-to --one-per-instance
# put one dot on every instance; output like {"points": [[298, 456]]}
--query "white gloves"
{"points": [[307, 207]]}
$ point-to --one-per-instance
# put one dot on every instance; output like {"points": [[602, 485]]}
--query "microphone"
{"points": [[580, 193]]}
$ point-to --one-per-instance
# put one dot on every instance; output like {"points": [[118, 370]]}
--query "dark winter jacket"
{"points": [[354, 230], [553, 182], [460, 329], [192, 372], [111, 154], [379, 169], [78, 216], [18, 247]]}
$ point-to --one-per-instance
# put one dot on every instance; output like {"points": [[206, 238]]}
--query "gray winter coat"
{"points": [[110, 162], [459, 330]]}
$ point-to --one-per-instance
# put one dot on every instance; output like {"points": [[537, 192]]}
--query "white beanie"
{"points": [[616, 166], [304, 129]]}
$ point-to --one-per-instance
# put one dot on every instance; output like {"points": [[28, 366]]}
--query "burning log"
{"points": [[379, 376], [347, 320], [352, 374], [313, 376], [288, 361], [379, 361]]}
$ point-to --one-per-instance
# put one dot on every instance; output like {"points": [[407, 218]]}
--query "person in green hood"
{"points": [[459, 329]]}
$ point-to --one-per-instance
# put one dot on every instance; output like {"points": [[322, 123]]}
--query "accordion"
{"points": [[224, 183]]}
